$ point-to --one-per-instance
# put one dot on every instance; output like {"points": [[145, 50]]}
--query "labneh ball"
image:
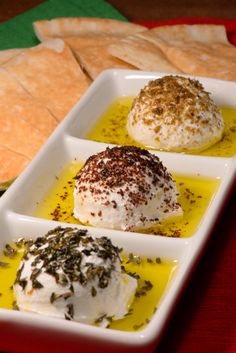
{"points": [[125, 188], [72, 275], [175, 113]]}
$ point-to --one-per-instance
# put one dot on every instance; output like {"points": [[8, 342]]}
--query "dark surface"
{"points": [[146, 10], [12, 8], [149, 10]]}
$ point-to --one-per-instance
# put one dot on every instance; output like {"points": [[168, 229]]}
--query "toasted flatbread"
{"points": [[12, 164], [196, 49], [142, 54], [6, 55], [92, 53], [50, 73], [206, 34], [68, 27], [95, 59], [15, 101], [201, 61], [92, 39], [18, 135]]}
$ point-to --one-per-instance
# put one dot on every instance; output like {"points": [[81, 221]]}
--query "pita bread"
{"points": [[12, 164], [197, 60], [80, 42], [197, 50], [206, 34], [68, 27], [142, 54], [15, 101], [212, 37], [51, 74], [95, 59], [19, 136], [6, 55], [91, 39], [92, 54]]}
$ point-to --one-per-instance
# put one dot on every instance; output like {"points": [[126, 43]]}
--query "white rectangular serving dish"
{"points": [[66, 143]]}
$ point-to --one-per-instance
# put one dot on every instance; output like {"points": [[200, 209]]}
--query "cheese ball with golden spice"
{"points": [[175, 113]]}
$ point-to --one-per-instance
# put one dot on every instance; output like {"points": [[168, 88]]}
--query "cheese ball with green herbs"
{"points": [[73, 275]]}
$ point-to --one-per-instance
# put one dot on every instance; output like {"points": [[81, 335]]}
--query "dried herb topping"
{"points": [[60, 254]]}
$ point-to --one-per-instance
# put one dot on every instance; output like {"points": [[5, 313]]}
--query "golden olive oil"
{"points": [[195, 195], [154, 276], [111, 128], [154, 273], [7, 278]]}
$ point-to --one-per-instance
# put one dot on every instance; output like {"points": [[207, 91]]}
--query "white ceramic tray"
{"points": [[66, 143]]}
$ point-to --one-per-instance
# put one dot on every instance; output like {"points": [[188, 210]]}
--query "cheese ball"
{"points": [[126, 188], [175, 113], [72, 275]]}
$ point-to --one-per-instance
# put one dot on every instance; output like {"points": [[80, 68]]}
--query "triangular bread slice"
{"points": [[91, 39], [8, 54], [18, 131], [201, 61], [206, 34], [16, 101], [97, 58], [92, 53], [212, 37], [50, 73], [201, 50], [142, 54], [18, 135], [12, 164], [73, 26]]}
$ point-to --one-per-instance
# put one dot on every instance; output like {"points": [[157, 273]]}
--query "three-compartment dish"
{"points": [[41, 199]]}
